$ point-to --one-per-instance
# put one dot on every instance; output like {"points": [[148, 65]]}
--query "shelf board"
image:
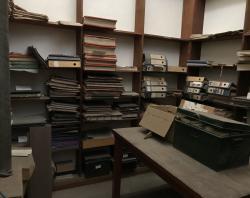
{"points": [[167, 72], [110, 31], [164, 37], [44, 24], [65, 98], [114, 71], [214, 67], [64, 149], [232, 35], [122, 120], [43, 98], [126, 33]]}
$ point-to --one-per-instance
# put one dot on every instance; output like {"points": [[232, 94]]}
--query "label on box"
{"points": [[23, 88], [98, 166], [22, 139]]}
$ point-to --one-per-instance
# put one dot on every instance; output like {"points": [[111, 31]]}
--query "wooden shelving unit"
{"points": [[192, 23]]}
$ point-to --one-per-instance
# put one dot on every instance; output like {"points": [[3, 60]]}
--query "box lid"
{"points": [[158, 118]]}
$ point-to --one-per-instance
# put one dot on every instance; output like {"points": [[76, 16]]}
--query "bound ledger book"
{"points": [[99, 53], [99, 22]]}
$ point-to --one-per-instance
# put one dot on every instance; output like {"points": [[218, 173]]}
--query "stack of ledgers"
{"points": [[65, 122], [63, 88], [16, 12], [101, 87], [99, 53], [64, 112], [22, 62], [129, 110], [100, 111], [154, 87], [243, 60]]}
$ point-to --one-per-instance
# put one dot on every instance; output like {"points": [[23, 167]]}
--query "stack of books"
{"points": [[22, 62], [64, 112], [243, 60], [63, 88], [199, 63], [221, 88], [16, 12], [129, 110], [154, 87], [196, 88], [65, 138], [100, 112], [99, 53], [63, 61], [155, 63], [102, 87], [65, 121]]}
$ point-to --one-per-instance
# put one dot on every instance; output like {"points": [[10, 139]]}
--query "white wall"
{"points": [[169, 48], [46, 40], [221, 51], [223, 15], [124, 51], [164, 17], [64, 10], [121, 10]]}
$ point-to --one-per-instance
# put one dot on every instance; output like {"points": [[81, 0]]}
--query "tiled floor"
{"points": [[146, 185]]}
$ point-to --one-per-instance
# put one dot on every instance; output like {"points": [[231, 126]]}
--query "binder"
{"points": [[177, 69], [219, 91], [219, 84], [155, 83], [195, 78], [157, 56], [154, 95], [158, 62], [155, 89], [193, 90], [195, 84], [65, 64]]}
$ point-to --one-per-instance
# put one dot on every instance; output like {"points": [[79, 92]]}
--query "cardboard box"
{"points": [[159, 119]]}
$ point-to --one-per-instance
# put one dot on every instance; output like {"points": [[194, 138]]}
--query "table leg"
{"points": [[117, 169]]}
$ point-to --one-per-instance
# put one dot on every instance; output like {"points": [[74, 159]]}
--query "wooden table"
{"points": [[186, 175]]}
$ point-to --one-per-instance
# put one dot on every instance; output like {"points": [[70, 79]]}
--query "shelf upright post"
{"points": [[5, 125], [79, 51], [243, 77], [192, 23], [139, 45]]}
